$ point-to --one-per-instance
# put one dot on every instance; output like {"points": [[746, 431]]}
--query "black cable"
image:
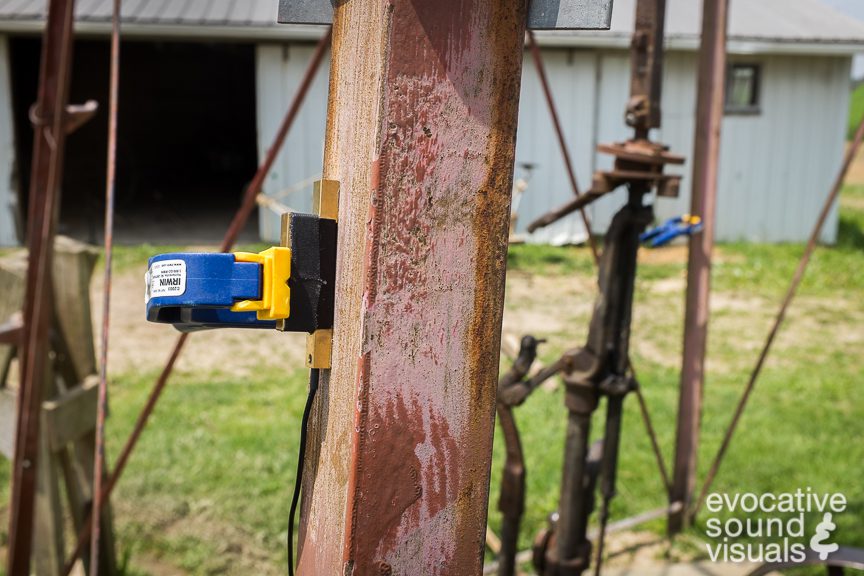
{"points": [[314, 375]]}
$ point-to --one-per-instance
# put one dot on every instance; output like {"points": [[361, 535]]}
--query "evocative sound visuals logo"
{"points": [[772, 527]]}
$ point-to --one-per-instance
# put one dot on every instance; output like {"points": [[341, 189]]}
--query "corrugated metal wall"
{"points": [[8, 195], [776, 167]]}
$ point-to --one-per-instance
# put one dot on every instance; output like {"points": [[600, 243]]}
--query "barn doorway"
{"points": [[186, 138]]}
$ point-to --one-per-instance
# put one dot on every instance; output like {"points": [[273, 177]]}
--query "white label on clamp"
{"points": [[165, 278]]}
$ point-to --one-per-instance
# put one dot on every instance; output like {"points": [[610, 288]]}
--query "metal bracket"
{"points": [[542, 14], [325, 204]]}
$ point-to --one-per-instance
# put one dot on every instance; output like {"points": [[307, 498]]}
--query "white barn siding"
{"points": [[8, 194], [280, 70], [572, 75], [613, 94], [776, 166]]}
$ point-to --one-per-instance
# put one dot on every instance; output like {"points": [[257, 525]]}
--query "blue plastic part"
{"points": [[200, 289], [669, 230]]}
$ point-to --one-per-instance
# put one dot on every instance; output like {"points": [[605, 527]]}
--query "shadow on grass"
{"points": [[850, 232]]}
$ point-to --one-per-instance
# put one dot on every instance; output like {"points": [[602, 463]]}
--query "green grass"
{"points": [[549, 260], [219, 454], [215, 467], [856, 110], [803, 424]]}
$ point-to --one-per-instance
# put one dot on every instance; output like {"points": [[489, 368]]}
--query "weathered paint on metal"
{"points": [[421, 136]]}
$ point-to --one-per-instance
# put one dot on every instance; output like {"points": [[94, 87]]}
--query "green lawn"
{"points": [[856, 110], [208, 489]]}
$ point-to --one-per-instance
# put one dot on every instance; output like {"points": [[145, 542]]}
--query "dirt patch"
{"points": [[853, 202], [633, 549], [675, 285], [547, 305], [856, 170], [674, 254]]}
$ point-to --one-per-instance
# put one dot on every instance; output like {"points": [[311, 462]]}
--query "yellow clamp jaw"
{"points": [[275, 293]]}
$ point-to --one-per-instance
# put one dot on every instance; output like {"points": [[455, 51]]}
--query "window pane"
{"points": [[742, 88]]}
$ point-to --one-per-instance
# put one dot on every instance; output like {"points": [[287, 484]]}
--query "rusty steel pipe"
{"points": [[228, 242], [646, 68], [512, 391], [706, 159], [48, 149], [579, 203], [781, 314], [102, 403]]}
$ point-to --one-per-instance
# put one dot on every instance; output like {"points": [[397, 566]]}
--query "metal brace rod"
{"points": [[49, 141]]}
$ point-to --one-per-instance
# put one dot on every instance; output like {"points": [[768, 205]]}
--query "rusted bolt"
{"points": [[384, 569]]}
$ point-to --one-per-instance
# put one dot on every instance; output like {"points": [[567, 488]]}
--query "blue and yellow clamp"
{"points": [[288, 288], [194, 291], [684, 225]]}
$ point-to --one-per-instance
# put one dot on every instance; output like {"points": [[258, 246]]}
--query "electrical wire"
{"points": [[314, 377]]}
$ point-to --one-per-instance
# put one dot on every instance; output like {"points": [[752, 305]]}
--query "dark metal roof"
{"points": [[188, 12]]}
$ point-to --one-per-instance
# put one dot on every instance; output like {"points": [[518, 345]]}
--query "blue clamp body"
{"points": [[684, 225], [196, 291]]}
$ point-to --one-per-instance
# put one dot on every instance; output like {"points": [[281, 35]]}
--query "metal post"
{"points": [[50, 126], [102, 405], [706, 153], [646, 67], [421, 136]]}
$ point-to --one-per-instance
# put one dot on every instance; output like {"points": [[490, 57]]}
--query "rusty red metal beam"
{"points": [[49, 114], [706, 159], [421, 136]]}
